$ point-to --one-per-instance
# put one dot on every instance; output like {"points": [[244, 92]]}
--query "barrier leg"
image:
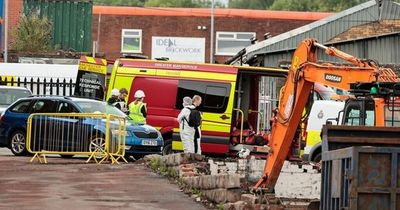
{"points": [[106, 157], [92, 156], [121, 157], [44, 157], [37, 155]]}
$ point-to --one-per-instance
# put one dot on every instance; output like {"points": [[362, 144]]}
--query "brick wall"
{"points": [[112, 25], [15, 10]]}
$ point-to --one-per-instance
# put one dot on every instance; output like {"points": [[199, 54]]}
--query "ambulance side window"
{"points": [[215, 95]]}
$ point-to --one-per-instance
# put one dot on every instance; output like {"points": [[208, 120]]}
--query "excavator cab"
{"points": [[305, 70], [376, 104], [359, 111]]}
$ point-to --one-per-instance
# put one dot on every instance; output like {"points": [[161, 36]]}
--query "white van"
{"points": [[321, 111]]}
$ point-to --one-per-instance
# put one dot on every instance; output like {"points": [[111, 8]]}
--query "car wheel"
{"points": [[18, 143], [167, 149], [317, 158], [97, 144]]}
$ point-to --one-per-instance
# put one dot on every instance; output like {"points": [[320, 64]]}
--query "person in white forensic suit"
{"points": [[186, 132]]}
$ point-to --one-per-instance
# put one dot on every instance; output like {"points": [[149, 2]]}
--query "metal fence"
{"points": [[360, 178], [99, 136], [42, 86]]}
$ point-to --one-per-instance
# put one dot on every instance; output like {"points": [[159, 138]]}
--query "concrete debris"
{"points": [[223, 181], [213, 181], [294, 182], [181, 158], [147, 158], [249, 198], [222, 195]]}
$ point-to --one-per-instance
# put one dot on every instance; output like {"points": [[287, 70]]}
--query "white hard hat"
{"points": [[139, 94], [114, 92]]}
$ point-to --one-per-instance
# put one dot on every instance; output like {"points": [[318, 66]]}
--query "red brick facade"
{"points": [[178, 23], [14, 12], [111, 26]]}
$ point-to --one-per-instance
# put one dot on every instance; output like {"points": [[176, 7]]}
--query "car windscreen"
{"points": [[9, 96], [99, 106], [324, 92]]}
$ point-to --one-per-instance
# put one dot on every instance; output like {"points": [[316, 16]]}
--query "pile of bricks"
{"points": [[217, 188], [225, 181]]}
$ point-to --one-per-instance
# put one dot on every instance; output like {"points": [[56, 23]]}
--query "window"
{"points": [[131, 41], [230, 43], [392, 115], [215, 95], [360, 113], [64, 107], [43, 106], [353, 116], [21, 107], [9, 95]]}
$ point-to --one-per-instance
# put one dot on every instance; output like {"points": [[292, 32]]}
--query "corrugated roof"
{"points": [[372, 29], [205, 12], [325, 29]]}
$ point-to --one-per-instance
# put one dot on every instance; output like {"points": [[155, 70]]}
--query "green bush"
{"points": [[33, 34]]}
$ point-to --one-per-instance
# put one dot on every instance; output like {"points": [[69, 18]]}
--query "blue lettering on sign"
{"points": [[165, 42]]}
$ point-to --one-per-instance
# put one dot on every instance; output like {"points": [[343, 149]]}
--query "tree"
{"points": [[295, 5], [338, 5], [33, 34], [313, 5], [250, 4]]}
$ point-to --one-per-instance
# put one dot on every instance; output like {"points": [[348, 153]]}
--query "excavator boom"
{"points": [[303, 73]]}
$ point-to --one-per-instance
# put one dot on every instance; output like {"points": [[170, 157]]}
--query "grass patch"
{"points": [[220, 206], [160, 167]]}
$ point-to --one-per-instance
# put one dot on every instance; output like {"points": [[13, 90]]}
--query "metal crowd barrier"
{"points": [[69, 134]]}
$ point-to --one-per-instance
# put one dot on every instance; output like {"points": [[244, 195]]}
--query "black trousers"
{"points": [[196, 136]]}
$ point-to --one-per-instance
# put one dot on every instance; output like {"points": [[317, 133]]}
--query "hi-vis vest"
{"points": [[135, 112]]}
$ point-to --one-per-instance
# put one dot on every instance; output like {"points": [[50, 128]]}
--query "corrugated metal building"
{"points": [[71, 19], [369, 30]]}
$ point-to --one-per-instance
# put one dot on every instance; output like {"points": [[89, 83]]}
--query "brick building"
{"points": [[15, 9], [154, 31], [119, 30]]}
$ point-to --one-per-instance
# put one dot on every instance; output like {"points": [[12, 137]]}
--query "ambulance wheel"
{"points": [[317, 158], [167, 148]]}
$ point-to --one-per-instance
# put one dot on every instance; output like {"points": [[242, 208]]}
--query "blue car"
{"points": [[140, 139]]}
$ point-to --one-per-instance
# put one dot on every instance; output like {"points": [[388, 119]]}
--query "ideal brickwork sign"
{"points": [[178, 48]]}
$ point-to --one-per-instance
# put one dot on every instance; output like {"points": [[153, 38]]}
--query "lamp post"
{"points": [[212, 33]]}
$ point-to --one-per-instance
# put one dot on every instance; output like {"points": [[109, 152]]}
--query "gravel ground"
{"points": [[73, 184]]}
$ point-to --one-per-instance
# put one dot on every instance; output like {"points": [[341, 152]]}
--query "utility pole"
{"points": [[5, 31], [212, 33]]}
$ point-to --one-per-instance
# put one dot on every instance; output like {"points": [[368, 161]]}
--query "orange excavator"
{"points": [[303, 73]]}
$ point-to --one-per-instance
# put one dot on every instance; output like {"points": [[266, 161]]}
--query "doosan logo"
{"points": [[333, 78]]}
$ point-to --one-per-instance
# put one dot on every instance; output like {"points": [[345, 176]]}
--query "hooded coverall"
{"points": [[186, 132]]}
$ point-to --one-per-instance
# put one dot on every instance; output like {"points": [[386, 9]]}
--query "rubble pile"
{"points": [[226, 183]]}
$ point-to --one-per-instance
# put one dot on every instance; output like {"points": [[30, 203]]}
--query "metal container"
{"points": [[361, 178], [72, 21]]}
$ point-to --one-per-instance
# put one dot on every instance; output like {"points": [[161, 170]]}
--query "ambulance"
{"points": [[236, 105]]}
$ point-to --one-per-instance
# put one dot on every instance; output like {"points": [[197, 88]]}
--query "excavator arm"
{"points": [[303, 73]]}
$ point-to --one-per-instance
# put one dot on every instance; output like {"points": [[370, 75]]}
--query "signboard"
{"points": [[178, 48], [90, 81]]}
